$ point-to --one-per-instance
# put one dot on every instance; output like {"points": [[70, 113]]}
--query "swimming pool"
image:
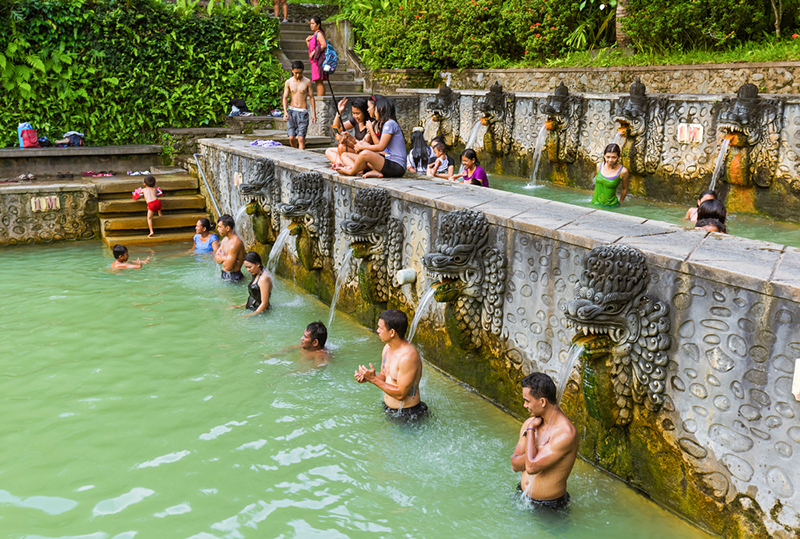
{"points": [[138, 404]]}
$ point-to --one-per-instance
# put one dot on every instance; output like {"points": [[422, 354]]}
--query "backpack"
{"points": [[30, 139], [331, 60]]}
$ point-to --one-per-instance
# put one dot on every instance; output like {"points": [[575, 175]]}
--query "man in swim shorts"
{"points": [[231, 250], [547, 446], [401, 369], [296, 114]]}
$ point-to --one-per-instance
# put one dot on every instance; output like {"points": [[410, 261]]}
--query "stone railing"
{"points": [[684, 385]]}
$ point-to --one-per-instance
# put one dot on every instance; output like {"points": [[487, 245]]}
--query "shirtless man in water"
{"points": [[231, 250], [547, 446], [401, 369], [297, 113]]}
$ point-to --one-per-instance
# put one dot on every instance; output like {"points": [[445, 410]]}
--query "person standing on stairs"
{"points": [[285, 10], [316, 53]]}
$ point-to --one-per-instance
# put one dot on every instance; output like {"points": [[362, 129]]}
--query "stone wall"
{"points": [[771, 78], [711, 436], [55, 212]]}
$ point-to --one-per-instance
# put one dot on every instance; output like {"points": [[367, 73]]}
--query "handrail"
{"points": [[208, 187]]}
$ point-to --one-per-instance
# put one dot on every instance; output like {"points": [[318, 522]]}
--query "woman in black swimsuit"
{"points": [[358, 121], [260, 288]]}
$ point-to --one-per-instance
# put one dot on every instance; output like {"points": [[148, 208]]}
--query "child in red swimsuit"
{"points": [[151, 197]]}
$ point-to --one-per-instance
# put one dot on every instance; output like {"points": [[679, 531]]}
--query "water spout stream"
{"points": [[573, 354], [473, 137], [431, 128], [422, 308], [537, 157], [344, 272], [277, 249], [239, 214], [719, 166]]}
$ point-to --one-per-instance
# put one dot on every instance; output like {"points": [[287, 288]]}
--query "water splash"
{"points": [[422, 308], [537, 157], [719, 166], [429, 133], [239, 214], [344, 272], [619, 139], [573, 354], [277, 249], [473, 137]]}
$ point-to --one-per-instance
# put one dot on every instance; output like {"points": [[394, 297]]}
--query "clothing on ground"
{"points": [[266, 143], [396, 149], [233, 276], [201, 246], [478, 174], [297, 122], [605, 189], [411, 413], [558, 503]]}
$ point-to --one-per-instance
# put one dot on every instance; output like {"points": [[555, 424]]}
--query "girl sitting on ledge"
{"points": [[473, 173], [391, 142]]}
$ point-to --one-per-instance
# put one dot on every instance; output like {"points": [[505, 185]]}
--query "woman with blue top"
{"points": [[390, 164], [204, 240], [610, 173]]}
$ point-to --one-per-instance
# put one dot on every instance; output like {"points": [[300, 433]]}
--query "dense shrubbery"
{"points": [[119, 73], [433, 35]]}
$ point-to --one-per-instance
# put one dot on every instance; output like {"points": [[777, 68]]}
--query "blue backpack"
{"points": [[331, 60]]}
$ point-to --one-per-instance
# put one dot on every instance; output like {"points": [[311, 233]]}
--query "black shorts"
{"points": [[407, 414], [234, 276], [558, 503], [392, 170]]}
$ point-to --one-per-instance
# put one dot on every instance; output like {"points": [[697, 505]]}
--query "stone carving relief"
{"points": [[752, 124], [641, 121], [564, 112], [497, 108], [377, 240], [444, 108], [471, 278], [309, 213], [262, 194], [75, 218], [624, 329]]}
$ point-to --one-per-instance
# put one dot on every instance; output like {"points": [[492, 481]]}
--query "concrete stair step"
{"points": [[295, 27], [166, 182], [128, 205], [295, 35], [139, 222], [182, 235]]}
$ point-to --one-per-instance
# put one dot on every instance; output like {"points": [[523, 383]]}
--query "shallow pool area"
{"points": [[739, 224], [138, 404]]}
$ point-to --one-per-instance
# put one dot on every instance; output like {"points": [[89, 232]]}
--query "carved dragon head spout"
{"points": [[470, 277], [308, 211], [632, 111], [262, 194], [752, 125], [498, 108], [443, 104], [624, 330], [563, 113], [377, 241], [641, 122]]}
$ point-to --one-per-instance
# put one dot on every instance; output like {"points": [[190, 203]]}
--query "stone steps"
{"points": [[124, 220]]}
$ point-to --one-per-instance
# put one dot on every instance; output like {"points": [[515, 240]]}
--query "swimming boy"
{"points": [[231, 250], [401, 369], [547, 446], [120, 253], [153, 204], [297, 114]]}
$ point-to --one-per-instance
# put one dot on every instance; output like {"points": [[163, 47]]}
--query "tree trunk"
{"points": [[777, 9], [622, 11]]}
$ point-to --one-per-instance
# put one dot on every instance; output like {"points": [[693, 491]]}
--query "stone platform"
{"points": [[76, 160]]}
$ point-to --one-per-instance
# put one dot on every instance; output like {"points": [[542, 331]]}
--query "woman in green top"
{"points": [[610, 173]]}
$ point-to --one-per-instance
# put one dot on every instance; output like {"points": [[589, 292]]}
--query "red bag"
{"points": [[30, 139]]}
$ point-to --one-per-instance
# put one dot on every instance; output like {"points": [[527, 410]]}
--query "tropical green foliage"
{"points": [[118, 70]]}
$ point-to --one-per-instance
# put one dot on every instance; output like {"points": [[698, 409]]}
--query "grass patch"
{"points": [[770, 50]]}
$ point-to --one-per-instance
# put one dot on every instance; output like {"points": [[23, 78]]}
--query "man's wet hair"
{"points": [[396, 320], [226, 220], [317, 331], [706, 193], [118, 250], [712, 209], [150, 181], [541, 386], [297, 64]]}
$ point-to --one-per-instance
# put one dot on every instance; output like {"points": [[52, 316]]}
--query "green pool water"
{"points": [[137, 404], [744, 225]]}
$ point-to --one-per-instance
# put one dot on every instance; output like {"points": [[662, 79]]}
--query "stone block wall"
{"points": [[58, 213], [718, 448]]}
